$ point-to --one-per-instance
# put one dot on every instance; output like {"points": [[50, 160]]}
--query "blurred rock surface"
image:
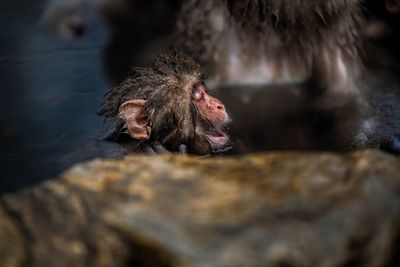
{"points": [[275, 209]]}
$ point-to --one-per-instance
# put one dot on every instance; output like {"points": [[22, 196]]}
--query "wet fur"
{"points": [[167, 88]]}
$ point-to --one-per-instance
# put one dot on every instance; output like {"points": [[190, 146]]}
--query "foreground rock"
{"points": [[283, 210]]}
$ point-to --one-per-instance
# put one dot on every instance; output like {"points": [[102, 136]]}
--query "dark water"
{"points": [[51, 88]]}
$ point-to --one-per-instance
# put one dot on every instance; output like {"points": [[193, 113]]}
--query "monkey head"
{"points": [[169, 103]]}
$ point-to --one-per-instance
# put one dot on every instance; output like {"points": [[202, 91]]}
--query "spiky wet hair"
{"points": [[167, 88]]}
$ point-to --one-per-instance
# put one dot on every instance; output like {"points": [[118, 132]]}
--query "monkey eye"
{"points": [[197, 94]]}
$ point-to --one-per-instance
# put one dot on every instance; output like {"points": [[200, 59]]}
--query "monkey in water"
{"points": [[275, 41], [168, 105]]}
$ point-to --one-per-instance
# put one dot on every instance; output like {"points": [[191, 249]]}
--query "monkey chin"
{"points": [[218, 140], [216, 135]]}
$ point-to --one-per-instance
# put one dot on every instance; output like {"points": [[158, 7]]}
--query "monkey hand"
{"points": [[154, 148], [157, 148], [182, 149]]}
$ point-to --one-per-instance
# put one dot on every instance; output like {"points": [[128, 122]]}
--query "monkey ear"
{"points": [[136, 122]]}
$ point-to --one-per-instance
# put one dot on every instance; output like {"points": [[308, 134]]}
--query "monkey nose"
{"points": [[221, 107]]}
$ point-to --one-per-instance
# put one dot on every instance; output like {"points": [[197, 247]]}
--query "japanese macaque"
{"points": [[275, 41], [68, 18], [137, 29], [168, 104]]}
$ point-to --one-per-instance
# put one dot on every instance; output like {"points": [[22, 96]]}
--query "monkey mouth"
{"points": [[218, 139]]}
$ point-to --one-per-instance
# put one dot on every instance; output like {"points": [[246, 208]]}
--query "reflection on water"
{"points": [[284, 118], [50, 92]]}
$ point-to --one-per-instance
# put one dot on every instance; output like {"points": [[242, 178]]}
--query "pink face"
{"points": [[213, 117]]}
